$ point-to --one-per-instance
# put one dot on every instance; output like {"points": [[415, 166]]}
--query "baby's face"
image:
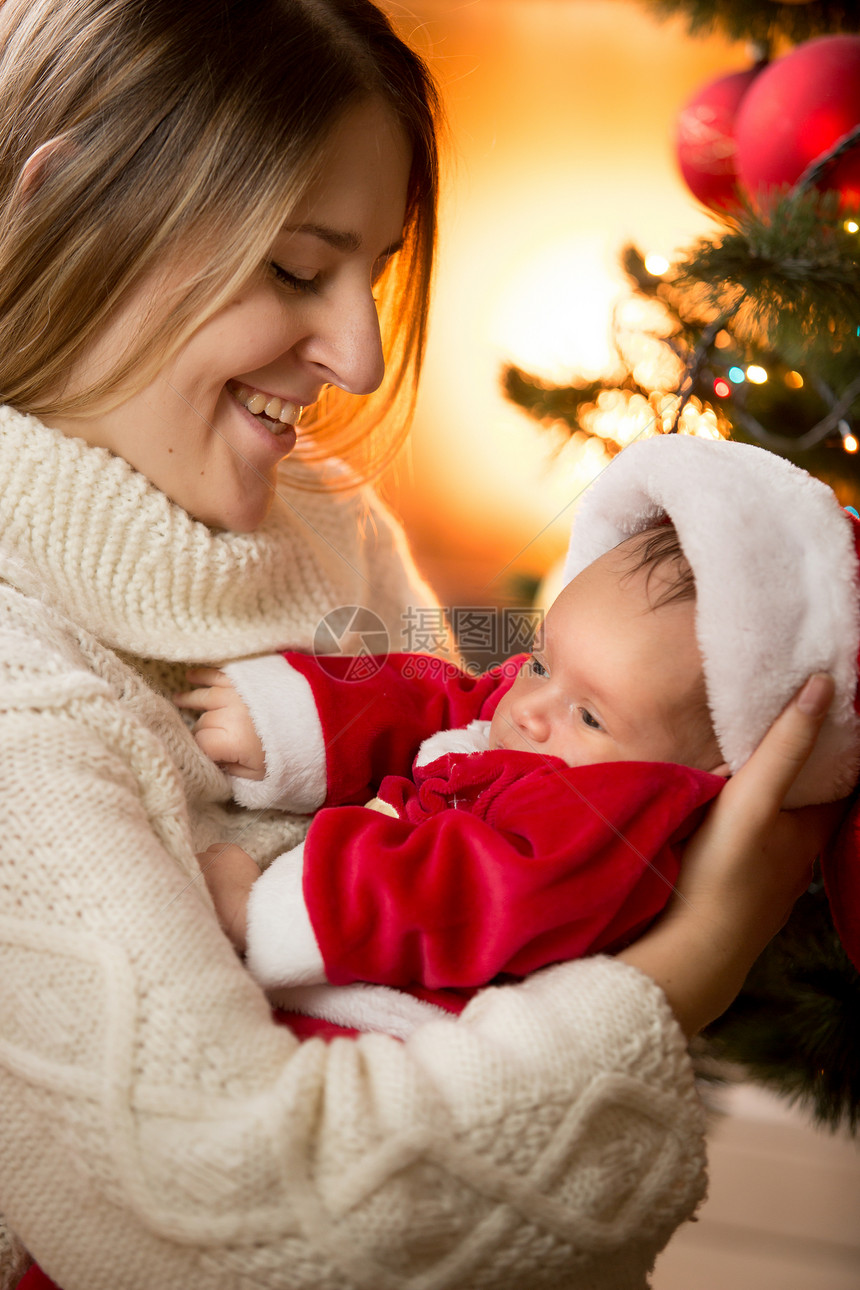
{"points": [[612, 679]]}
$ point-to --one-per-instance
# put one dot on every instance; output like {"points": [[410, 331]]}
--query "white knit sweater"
{"points": [[157, 1129]]}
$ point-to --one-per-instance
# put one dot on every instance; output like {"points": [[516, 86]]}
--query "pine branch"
{"points": [[641, 279], [550, 403], [779, 289], [761, 20], [818, 168], [791, 273], [820, 431]]}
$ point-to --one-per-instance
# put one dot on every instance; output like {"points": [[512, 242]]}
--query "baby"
{"points": [[546, 821]]}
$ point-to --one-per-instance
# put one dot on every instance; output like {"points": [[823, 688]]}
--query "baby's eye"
{"points": [[589, 720], [307, 286], [537, 668]]}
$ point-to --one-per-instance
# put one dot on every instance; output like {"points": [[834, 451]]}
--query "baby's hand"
{"points": [[225, 731], [230, 874]]}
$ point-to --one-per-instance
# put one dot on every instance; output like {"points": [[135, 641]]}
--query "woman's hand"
{"points": [[743, 870], [225, 732], [230, 873]]}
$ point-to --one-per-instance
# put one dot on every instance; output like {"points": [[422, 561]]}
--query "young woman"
{"points": [[199, 203]]}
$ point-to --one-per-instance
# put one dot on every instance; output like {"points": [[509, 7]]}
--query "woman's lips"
{"points": [[277, 414]]}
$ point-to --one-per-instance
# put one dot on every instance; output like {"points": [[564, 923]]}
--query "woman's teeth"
{"points": [[280, 412]]}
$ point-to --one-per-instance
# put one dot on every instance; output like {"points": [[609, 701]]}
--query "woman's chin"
{"points": [[242, 514]]}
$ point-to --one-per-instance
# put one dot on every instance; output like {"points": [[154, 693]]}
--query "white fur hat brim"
{"points": [[777, 593]]}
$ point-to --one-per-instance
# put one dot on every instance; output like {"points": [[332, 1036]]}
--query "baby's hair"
{"points": [[659, 548], [180, 134]]}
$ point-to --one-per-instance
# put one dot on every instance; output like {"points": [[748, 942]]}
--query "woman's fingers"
{"points": [[742, 870], [748, 806], [748, 857], [757, 791]]}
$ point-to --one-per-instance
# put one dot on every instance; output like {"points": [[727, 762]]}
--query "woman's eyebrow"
{"points": [[343, 241]]}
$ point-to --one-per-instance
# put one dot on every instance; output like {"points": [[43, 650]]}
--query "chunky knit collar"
{"points": [[85, 531]]}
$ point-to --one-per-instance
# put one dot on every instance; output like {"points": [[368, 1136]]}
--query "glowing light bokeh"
{"points": [[656, 264], [555, 299], [561, 118]]}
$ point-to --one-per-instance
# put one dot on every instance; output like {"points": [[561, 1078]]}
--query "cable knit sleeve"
{"points": [[157, 1128], [160, 1130]]}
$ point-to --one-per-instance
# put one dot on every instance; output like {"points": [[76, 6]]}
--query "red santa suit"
{"points": [[474, 862], [494, 862]]}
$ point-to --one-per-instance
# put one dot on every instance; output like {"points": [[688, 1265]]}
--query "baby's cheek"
{"points": [[499, 723]]}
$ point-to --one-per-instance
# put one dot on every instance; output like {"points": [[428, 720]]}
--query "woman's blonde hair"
{"points": [[176, 125]]}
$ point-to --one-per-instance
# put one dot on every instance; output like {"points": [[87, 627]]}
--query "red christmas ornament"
{"points": [[798, 108], [705, 140]]}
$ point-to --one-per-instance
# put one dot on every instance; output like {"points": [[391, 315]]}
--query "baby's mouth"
{"points": [[276, 414]]}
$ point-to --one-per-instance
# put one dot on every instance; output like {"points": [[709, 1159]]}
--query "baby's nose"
{"points": [[532, 718]]}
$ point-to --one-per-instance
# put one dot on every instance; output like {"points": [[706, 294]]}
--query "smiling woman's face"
{"points": [[200, 430]]}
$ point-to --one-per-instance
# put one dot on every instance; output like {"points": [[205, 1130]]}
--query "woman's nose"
{"points": [[348, 346]]}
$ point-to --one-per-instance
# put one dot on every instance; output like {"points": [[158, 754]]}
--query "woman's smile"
{"points": [[276, 439], [276, 413]]}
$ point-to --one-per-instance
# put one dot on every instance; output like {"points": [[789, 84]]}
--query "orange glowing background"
{"points": [[562, 115]]}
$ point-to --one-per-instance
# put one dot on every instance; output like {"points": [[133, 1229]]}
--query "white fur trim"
{"points": [[362, 1007], [281, 946], [284, 714], [475, 737], [776, 584]]}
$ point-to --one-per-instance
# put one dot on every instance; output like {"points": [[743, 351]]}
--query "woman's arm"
{"points": [[158, 1128], [742, 872]]}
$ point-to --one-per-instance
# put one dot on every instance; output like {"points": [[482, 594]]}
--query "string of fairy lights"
{"points": [[729, 381]]}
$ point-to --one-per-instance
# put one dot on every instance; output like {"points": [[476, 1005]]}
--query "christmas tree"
{"points": [[754, 334]]}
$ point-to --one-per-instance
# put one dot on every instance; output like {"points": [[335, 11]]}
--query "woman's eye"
{"points": [[307, 286], [589, 720], [537, 667]]}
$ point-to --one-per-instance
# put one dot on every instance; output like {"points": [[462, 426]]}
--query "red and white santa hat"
{"points": [[777, 566], [775, 558]]}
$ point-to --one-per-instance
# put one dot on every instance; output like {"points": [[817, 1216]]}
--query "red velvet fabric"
{"points": [[35, 1279], [840, 867], [499, 861], [840, 861], [373, 727]]}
